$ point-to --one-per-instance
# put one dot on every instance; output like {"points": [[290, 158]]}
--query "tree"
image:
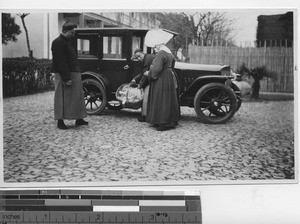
{"points": [[257, 73], [211, 27], [198, 28], [180, 23], [22, 16], [10, 30]]}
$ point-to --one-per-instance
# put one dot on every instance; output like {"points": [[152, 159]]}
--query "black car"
{"points": [[104, 56]]}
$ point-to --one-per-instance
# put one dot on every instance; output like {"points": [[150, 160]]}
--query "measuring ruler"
{"points": [[98, 206]]}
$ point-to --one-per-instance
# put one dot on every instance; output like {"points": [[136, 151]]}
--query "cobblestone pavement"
{"points": [[256, 144]]}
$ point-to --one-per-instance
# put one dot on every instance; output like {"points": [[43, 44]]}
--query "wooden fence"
{"points": [[276, 59]]}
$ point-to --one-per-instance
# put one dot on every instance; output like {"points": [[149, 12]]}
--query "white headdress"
{"points": [[156, 37]]}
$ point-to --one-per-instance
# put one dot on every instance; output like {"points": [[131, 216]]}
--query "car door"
{"points": [[114, 63], [87, 47]]}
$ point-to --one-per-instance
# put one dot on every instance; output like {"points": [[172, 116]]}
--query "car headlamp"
{"points": [[225, 72]]}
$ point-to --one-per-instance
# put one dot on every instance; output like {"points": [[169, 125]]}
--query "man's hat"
{"points": [[68, 26]]}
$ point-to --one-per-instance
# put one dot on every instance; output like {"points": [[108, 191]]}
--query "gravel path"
{"points": [[256, 144]]}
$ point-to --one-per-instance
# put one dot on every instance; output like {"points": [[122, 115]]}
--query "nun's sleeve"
{"points": [[157, 66]]}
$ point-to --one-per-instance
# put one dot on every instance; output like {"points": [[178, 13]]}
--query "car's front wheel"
{"points": [[215, 103], [94, 96]]}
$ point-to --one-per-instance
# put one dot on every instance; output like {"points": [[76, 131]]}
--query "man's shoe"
{"points": [[142, 119], [61, 125], [81, 122]]}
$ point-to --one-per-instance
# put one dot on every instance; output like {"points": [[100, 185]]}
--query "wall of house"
{"points": [[53, 27], [43, 28]]}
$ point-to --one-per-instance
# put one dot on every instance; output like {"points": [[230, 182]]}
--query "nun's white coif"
{"points": [[156, 37]]}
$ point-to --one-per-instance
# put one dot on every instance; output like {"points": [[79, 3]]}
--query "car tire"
{"points": [[215, 103], [94, 96]]}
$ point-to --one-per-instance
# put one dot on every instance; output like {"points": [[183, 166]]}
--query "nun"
{"points": [[163, 109]]}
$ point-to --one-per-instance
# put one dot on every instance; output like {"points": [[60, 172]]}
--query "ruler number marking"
{"points": [[152, 217]]}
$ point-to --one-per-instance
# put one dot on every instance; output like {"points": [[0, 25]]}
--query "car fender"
{"points": [[92, 75], [244, 87], [203, 80]]}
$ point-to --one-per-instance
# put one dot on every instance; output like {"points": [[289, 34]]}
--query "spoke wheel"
{"points": [[94, 96], [215, 103]]}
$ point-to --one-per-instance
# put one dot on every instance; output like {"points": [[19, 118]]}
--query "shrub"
{"points": [[257, 73], [23, 76]]}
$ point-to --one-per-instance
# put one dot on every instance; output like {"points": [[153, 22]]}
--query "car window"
{"points": [[87, 47], [113, 47], [137, 43]]}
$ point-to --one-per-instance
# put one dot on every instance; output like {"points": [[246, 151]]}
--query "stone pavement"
{"points": [[256, 144]]}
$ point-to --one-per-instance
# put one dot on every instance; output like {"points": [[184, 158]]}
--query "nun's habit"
{"points": [[163, 109]]}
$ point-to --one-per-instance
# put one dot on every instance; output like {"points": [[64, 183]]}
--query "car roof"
{"points": [[112, 28], [122, 28]]}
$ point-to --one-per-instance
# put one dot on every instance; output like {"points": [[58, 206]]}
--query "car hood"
{"points": [[200, 67]]}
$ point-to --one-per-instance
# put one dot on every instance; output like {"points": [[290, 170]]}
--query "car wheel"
{"points": [[114, 105], [94, 96], [215, 103]]}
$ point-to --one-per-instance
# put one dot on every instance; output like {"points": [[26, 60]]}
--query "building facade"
{"points": [[43, 28]]}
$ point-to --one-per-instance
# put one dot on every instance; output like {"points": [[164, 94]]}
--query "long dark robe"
{"points": [[163, 103], [69, 100]]}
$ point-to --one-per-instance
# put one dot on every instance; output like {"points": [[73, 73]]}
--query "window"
{"points": [[137, 42], [113, 47], [87, 47]]}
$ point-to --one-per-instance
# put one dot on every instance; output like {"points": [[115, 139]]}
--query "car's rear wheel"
{"points": [[94, 96], [215, 103]]}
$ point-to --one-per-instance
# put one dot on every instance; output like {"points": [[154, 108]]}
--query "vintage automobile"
{"points": [[104, 55]]}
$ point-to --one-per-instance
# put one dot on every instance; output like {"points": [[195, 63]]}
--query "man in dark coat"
{"points": [[68, 97], [142, 78]]}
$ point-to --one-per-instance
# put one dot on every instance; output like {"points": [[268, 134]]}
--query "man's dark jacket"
{"points": [[64, 58]]}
